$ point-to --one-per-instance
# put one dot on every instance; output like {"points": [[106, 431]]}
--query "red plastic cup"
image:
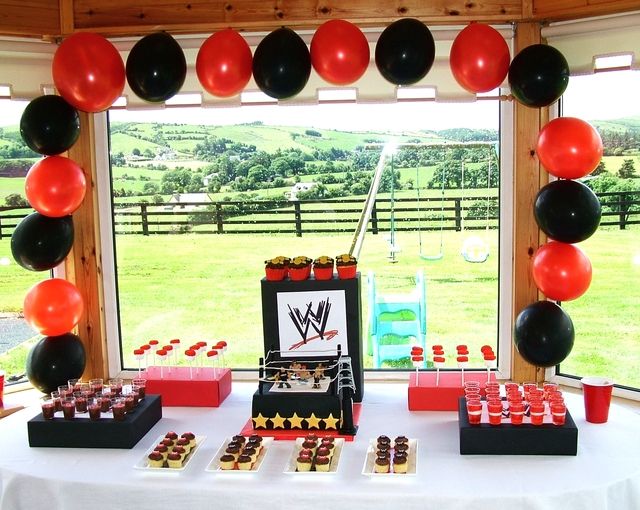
{"points": [[474, 411], [536, 411], [48, 409], [511, 386], [495, 413], [516, 413], [597, 398], [558, 413]]}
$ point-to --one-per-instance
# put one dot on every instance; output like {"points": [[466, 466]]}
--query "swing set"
{"points": [[475, 249]]}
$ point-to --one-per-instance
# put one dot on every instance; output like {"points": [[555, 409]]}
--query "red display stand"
{"points": [[426, 396], [293, 434], [190, 388]]}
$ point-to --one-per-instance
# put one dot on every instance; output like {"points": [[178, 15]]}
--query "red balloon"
{"points": [[569, 148], [224, 63], [55, 186], [88, 72], [339, 52], [561, 271], [479, 58], [53, 307]]}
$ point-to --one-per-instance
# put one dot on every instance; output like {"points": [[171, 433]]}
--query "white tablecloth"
{"points": [[604, 475]]}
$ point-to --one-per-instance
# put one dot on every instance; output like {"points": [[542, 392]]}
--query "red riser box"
{"points": [[426, 396], [179, 389]]}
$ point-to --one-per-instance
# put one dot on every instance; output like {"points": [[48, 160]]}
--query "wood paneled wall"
{"points": [[31, 18], [118, 16]]}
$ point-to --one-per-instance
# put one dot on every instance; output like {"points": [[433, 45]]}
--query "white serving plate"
{"points": [[412, 461], [214, 465], [143, 463], [290, 468]]}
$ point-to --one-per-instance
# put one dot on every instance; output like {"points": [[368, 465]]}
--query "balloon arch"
{"points": [[90, 75]]}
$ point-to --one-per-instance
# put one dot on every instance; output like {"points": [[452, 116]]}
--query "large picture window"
{"points": [[606, 318], [202, 197]]}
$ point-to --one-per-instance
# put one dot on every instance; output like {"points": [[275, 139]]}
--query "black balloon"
{"points": [[567, 211], [405, 51], [281, 64], [39, 242], [543, 334], [54, 360], [538, 75], [156, 67], [49, 125]]}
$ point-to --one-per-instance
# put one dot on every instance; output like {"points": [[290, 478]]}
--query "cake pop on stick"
{"points": [[147, 350], [169, 350], [153, 344], [202, 349], [139, 355], [161, 354], [438, 363], [175, 343], [221, 346], [417, 361], [490, 362], [190, 354], [463, 362], [417, 352], [213, 354]]}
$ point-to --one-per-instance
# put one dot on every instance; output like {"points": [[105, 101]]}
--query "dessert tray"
{"points": [[214, 465], [143, 463], [412, 461], [291, 467]]}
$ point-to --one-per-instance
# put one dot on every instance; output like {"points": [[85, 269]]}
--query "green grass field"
{"points": [[207, 287]]}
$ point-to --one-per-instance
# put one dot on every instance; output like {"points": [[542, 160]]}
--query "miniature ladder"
{"points": [[346, 380]]}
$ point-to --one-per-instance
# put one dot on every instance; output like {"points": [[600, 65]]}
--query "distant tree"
{"points": [[627, 170], [319, 191], [16, 200], [312, 132], [214, 185], [258, 174], [136, 152], [175, 181], [280, 166], [118, 159], [600, 169], [157, 199], [148, 153], [150, 188], [196, 183]]}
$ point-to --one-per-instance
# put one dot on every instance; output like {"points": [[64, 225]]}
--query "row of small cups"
{"points": [[530, 397]]}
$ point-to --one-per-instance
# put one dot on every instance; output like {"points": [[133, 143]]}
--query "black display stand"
{"points": [[104, 433], [525, 439], [353, 312]]}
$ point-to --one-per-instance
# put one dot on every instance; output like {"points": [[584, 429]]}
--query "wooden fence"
{"points": [[321, 216]]}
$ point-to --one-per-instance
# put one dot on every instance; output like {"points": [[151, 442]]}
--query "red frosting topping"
{"points": [[462, 358], [438, 359]]}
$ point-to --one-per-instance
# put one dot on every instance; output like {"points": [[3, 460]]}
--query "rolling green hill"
{"points": [[183, 138], [627, 124]]}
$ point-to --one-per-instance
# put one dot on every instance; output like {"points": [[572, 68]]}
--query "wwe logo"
{"points": [[315, 319]]}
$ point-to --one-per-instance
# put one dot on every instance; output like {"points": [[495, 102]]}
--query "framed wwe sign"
{"points": [[309, 319]]}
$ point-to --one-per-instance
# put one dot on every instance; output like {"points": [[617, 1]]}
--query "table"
{"points": [[604, 475]]}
